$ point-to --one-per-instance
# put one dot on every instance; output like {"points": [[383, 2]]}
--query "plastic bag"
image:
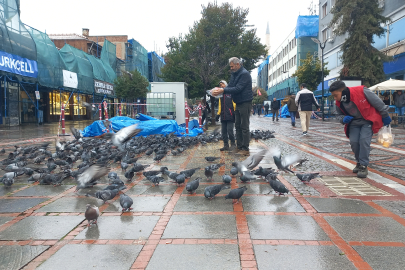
{"points": [[385, 136], [210, 91]]}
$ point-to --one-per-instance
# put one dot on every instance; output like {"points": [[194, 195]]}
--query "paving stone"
{"points": [[201, 226], [335, 205], [136, 190], [5, 190], [301, 187], [202, 186], [120, 227], [271, 204], [383, 257], [70, 204], [41, 228], [19, 205], [285, 227], [15, 257], [142, 204], [160, 190], [383, 229], [92, 257], [254, 188], [4, 220], [41, 190], [300, 257], [196, 257], [190, 204], [396, 207]]}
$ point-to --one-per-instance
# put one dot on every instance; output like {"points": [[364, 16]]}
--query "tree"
{"points": [[200, 58], [131, 85], [362, 20], [259, 99], [310, 72]]}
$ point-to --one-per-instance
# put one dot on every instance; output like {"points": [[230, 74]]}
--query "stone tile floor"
{"points": [[310, 228]]}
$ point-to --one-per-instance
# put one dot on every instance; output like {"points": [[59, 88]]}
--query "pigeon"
{"points": [[278, 187], [92, 213], [8, 182], [159, 157], [263, 172], [211, 191], [104, 195], [226, 179], [115, 186], [125, 202], [214, 167], [76, 133], [236, 194], [192, 186], [35, 177], [208, 173], [139, 167], [155, 179], [211, 159], [112, 175], [283, 163], [124, 166], [306, 177], [188, 173], [129, 175], [122, 137], [149, 152], [180, 179], [234, 171], [251, 162], [2, 151], [90, 176], [247, 176], [272, 176]]}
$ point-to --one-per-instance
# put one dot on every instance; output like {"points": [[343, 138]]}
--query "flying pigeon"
{"points": [[90, 176], [121, 137], [306, 177], [236, 194], [211, 191], [125, 202], [92, 213], [283, 163], [251, 162], [192, 186], [76, 133]]}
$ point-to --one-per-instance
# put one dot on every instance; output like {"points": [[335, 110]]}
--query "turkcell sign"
{"points": [[18, 65], [105, 88]]}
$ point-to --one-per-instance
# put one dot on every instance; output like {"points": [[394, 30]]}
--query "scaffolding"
{"points": [[156, 63], [136, 58]]}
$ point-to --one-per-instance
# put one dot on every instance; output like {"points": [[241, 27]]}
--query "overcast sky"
{"points": [[152, 22]]}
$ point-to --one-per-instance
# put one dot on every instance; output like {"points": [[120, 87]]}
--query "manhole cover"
{"points": [[352, 186]]}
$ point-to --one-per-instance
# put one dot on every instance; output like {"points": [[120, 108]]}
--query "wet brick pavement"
{"points": [[43, 227]]}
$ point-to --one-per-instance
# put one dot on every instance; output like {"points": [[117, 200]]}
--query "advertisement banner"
{"points": [[18, 65], [70, 79], [105, 88]]}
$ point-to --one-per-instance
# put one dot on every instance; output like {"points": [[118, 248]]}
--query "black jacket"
{"points": [[275, 105], [266, 106], [226, 108], [240, 86], [305, 99]]}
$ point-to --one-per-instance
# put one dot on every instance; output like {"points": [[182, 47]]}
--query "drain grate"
{"points": [[352, 186]]}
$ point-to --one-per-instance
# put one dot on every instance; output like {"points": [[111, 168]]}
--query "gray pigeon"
{"points": [[271, 176], [104, 195], [278, 187], [247, 176], [120, 138], [234, 171], [226, 179], [188, 173], [208, 173], [155, 179], [192, 186], [90, 176], [306, 177], [251, 162], [180, 179], [211, 159], [211, 191], [214, 167], [236, 194], [92, 213], [126, 202], [8, 182], [283, 163], [124, 166]]}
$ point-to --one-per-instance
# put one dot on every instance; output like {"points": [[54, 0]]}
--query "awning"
{"points": [[391, 84]]}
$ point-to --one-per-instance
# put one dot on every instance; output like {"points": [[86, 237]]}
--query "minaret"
{"points": [[268, 39]]}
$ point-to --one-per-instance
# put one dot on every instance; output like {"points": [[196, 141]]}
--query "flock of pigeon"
{"points": [[94, 156]]}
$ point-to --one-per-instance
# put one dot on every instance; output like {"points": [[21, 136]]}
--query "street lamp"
{"points": [[322, 45]]}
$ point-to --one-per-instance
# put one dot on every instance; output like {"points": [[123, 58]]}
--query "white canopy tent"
{"points": [[391, 84]]}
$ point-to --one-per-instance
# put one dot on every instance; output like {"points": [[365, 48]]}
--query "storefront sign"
{"points": [[37, 95], [18, 65], [105, 88], [70, 79]]}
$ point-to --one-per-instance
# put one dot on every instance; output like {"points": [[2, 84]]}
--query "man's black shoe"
{"points": [[356, 169], [362, 173]]}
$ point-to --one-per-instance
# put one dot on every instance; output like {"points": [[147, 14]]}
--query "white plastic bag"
{"points": [[209, 92], [385, 136]]}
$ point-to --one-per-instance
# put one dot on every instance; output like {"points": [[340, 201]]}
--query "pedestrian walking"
{"points": [[41, 108], [259, 109], [292, 108], [226, 110], [266, 108], [363, 113], [304, 101], [399, 102], [240, 87], [275, 106]]}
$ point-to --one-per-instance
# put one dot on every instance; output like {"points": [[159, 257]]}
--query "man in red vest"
{"points": [[363, 114]]}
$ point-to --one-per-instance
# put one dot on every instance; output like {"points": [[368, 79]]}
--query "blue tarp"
{"points": [[307, 26], [284, 112], [149, 126]]}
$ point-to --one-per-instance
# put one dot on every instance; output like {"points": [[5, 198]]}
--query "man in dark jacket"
{"points": [[240, 87], [399, 101], [292, 109], [304, 101], [266, 108], [363, 114], [275, 106]]}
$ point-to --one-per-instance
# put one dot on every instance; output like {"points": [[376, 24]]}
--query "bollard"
{"points": [[119, 109], [199, 115], [63, 119], [99, 112], [105, 110], [187, 115]]}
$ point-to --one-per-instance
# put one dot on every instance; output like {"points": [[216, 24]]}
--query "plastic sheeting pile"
{"points": [[149, 126]]}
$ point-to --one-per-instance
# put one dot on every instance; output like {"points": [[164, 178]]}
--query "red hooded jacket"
{"points": [[368, 112]]}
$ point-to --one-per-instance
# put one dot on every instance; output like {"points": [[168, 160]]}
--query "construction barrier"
{"points": [[199, 115], [187, 115], [62, 115], [99, 112], [119, 110]]}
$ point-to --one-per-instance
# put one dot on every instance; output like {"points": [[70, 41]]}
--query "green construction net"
{"points": [[109, 59], [99, 70], [14, 37], [137, 58], [77, 61], [50, 62]]}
